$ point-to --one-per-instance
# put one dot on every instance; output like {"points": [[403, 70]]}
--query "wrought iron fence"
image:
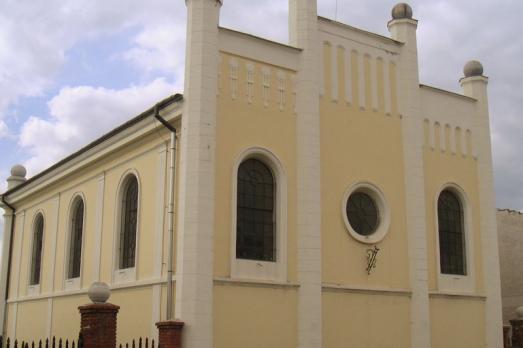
{"points": [[47, 343], [140, 343]]}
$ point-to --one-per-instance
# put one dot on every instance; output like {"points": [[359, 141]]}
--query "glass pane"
{"points": [[255, 212], [451, 238], [129, 220], [75, 253], [37, 250], [362, 213]]}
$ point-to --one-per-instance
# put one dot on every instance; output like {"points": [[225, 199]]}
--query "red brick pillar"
{"points": [[170, 334], [98, 319], [517, 333]]}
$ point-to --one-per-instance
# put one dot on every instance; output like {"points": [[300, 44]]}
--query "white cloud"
{"points": [[80, 114], [3, 129]]}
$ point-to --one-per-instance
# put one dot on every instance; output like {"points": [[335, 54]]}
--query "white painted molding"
{"points": [[99, 217], [160, 210], [54, 236], [366, 290], [348, 77], [19, 249]]}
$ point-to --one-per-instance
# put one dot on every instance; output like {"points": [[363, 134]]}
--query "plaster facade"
{"points": [[337, 108]]}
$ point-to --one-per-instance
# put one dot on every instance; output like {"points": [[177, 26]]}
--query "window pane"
{"points": [[255, 212], [451, 237], [37, 250], [129, 219], [75, 251], [362, 213]]}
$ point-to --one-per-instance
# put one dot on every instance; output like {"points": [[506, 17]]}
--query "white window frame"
{"points": [[126, 274], [33, 290], [383, 208], [74, 283], [256, 269], [454, 282]]}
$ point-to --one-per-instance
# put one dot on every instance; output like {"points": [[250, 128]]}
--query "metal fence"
{"points": [[140, 343], [47, 343]]}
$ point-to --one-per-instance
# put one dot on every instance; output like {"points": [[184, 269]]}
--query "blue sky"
{"points": [[71, 70]]}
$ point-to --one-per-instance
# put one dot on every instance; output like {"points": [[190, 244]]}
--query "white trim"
{"points": [[19, 247], [98, 227], [127, 274], [334, 73], [361, 80], [383, 208], [255, 283], [453, 282], [348, 76], [74, 283], [161, 167], [366, 290], [253, 269], [54, 237], [35, 288]]}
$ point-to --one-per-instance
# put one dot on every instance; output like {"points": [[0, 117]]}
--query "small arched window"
{"points": [[452, 253], [129, 218], [75, 242], [36, 254], [255, 224]]}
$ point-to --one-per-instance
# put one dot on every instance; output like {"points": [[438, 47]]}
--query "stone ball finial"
{"points": [[402, 11], [99, 292], [19, 171], [473, 68], [519, 312]]}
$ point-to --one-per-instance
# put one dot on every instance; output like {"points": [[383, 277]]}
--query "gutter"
{"points": [[170, 212], [9, 257]]}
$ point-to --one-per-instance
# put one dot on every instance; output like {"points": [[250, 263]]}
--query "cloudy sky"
{"points": [[71, 70]]}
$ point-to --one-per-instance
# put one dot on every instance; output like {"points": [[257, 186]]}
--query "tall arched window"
{"points": [[452, 253], [75, 242], [36, 254], [255, 224], [129, 217]]}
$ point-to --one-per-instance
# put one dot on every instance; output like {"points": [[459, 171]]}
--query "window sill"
{"points": [[124, 275], [258, 270], [33, 290], [255, 283], [72, 284]]}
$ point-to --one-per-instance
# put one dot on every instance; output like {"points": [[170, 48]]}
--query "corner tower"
{"points": [[194, 266]]}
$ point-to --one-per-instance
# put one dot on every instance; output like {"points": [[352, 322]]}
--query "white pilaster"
{"points": [[53, 237], [6, 242], [19, 248], [304, 34], [194, 267], [98, 228], [404, 30], [476, 87], [161, 167]]}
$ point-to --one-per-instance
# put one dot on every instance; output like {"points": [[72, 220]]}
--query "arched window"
{"points": [[36, 255], [129, 217], [255, 218], [75, 242], [452, 253]]}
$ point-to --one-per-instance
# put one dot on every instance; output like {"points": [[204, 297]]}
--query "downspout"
{"points": [[170, 212], [8, 278]]}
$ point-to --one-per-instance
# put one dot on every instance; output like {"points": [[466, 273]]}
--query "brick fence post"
{"points": [[170, 333], [517, 329], [98, 319]]}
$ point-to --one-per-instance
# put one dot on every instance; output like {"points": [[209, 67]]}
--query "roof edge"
{"points": [[161, 105]]}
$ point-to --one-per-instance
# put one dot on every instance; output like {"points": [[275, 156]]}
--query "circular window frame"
{"points": [[383, 212]]}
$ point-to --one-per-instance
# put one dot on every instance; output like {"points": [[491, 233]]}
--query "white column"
{"points": [[304, 34], [404, 30], [53, 238], [476, 87], [194, 267]]}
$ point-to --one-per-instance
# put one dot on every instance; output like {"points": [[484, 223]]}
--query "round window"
{"points": [[365, 213], [362, 213]]}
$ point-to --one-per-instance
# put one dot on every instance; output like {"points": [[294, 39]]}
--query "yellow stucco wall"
{"points": [[254, 317], [261, 125], [31, 320], [457, 323], [365, 321], [361, 146]]}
